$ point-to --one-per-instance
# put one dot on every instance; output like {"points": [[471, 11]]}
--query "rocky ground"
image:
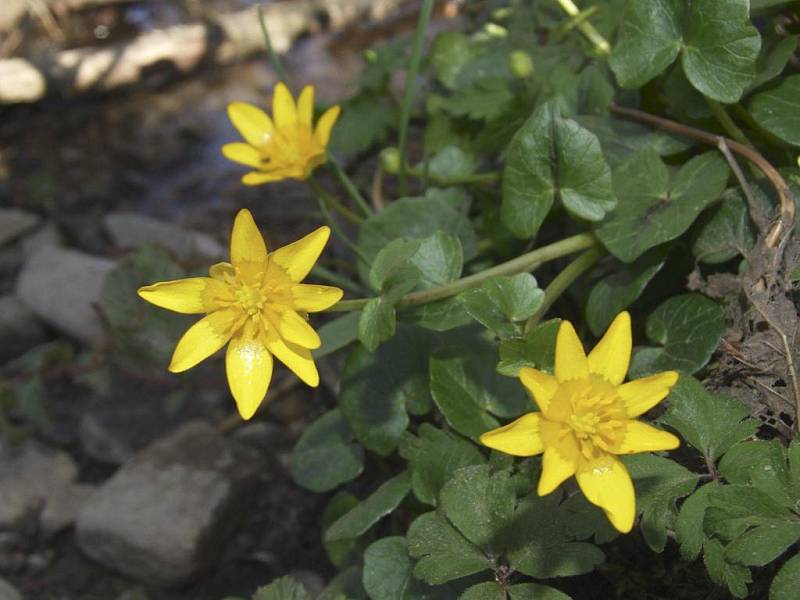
{"points": [[119, 481]]}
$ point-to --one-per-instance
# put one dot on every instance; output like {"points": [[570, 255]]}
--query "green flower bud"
{"points": [[521, 64], [390, 160]]}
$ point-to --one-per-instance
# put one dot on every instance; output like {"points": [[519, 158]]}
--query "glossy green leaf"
{"points": [[369, 511], [377, 323], [774, 56], [654, 206], [618, 290], [688, 329], [451, 162], [689, 524], [484, 99], [340, 552], [725, 231], [659, 483], [734, 577], [439, 259], [433, 456], [387, 573], [441, 315], [326, 455], [488, 590], [778, 109], [762, 464], [712, 423], [717, 43], [284, 588], [787, 581], [526, 591], [500, 302], [337, 334], [554, 158], [762, 544], [536, 348]]}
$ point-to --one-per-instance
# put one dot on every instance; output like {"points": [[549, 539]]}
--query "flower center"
{"points": [[290, 146], [593, 412], [251, 299]]}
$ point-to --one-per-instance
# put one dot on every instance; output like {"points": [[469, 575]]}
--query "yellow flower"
{"points": [[255, 304], [284, 146], [587, 418]]}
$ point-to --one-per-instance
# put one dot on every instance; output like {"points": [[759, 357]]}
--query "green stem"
{"points": [[490, 177], [339, 280], [600, 43], [323, 198], [333, 202], [520, 264], [411, 80], [563, 280], [350, 187], [731, 128], [273, 56]]}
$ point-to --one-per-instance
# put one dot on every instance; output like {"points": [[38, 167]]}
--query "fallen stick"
{"points": [[177, 50]]}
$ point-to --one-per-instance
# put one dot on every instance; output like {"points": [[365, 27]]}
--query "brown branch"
{"points": [[782, 227]]}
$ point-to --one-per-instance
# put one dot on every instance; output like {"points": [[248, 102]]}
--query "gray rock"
{"points": [[35, 478], [8, 591], [45, 236], [62, 506], [20, 330], [63, 287], [15, 222], [131, 230], [165, 514]]}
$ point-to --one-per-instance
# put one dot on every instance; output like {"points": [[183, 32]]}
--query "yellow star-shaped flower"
{"points": [[255, 304], [587, 417], [285, 145]]}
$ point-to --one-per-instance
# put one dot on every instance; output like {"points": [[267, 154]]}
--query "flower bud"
{"points": [[390, 160], [521, 64]]}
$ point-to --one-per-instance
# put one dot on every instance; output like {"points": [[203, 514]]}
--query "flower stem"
{"points": [[411, 80], [339, 280], [563, 280], [332, 202], [601, 45], [273, 56], [323, 198], [520, 264], [351, 188]]}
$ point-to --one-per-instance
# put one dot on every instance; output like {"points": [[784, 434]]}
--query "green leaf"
{"points": [[377, 323], [466, 387], [540, 545], [688, 327], [734, 508], [762, 544], [689, 524], [339, 552], [387, 573], [775, 54], [346, 585], [548, 158], [439, 259], [377, 387], [480, 504], [484, 99], [724, 232], [433, 456], [617, 291], [444, 554], [537, 349], [451, 162], [655, 207], [585, 520], [500, 302], [367, 119], [526, 591], [369, 511], [619, 139], [449, 53], [337, 334], [489, 590], [761, 464], [787, 581], [717, 43], [401, 219], [441, 315], [390, 267], [734, 577], [712, 423], [326, 456], [595, 93], [778, 109], [659, 483], [284, 588]]}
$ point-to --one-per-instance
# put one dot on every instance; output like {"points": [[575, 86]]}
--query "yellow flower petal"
{"points": [[640, 395], [222, 271], [571, 362], [188, 296], [242, 153], [253, 123], [298, 257], [606, 484], [257, 178], [284, 110], [518, 438], [295, 329], [314, 298], [641, 437], [248, 365], [247, 245], [203, 339], [305, 106], [612, 354], [559, 463], [297, 358], [541, 386], [325, 125]]}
